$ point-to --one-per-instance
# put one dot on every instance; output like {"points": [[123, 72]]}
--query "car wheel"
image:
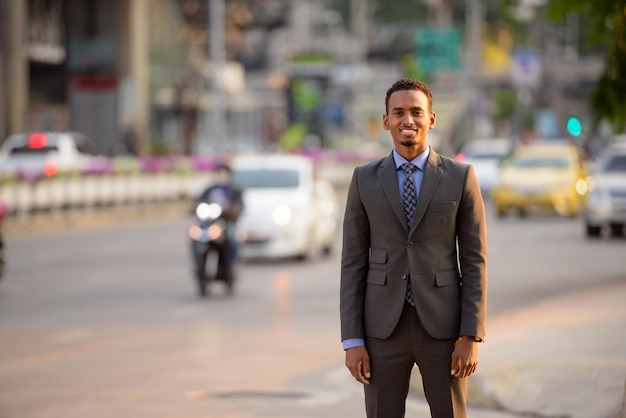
{"points": [[311, 248], [500, 211], [593, 231], [305, 256], [617, 230], [522, 212]]}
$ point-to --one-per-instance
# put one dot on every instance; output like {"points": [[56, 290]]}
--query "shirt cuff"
{"points": [[353, 342]]}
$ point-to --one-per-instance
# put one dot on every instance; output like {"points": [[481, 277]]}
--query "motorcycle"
{"points": [[211, 247]]}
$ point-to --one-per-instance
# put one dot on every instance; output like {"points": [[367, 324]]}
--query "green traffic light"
{"points": [[574, 127]]}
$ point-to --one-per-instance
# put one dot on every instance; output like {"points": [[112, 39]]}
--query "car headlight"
{"points": [[205, 211], [282, 215], [582, 187]]}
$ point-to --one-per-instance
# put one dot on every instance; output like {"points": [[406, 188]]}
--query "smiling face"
{"points": [[408, 120]]}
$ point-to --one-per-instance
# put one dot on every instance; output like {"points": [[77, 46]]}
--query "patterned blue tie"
{"points": [[409, 198]]}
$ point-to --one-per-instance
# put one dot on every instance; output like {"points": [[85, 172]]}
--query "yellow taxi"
{"points": [[549, 175]]}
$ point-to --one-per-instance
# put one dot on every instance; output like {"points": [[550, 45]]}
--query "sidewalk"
{"points": [[566, 358]]}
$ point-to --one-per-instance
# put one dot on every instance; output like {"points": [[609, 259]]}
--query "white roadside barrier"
{"points": [[66, 193], [74, 192]]}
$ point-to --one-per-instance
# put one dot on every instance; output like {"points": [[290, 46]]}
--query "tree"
{"points": [[608, 27]]}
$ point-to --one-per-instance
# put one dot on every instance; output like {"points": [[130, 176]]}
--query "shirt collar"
{"points": [[419, 161]]}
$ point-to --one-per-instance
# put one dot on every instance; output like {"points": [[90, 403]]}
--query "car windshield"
{"points": [[615, 164], [256, 179], [536, 162]]}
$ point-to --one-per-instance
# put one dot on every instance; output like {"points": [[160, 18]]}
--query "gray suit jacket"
{"points": [[380, 254]]}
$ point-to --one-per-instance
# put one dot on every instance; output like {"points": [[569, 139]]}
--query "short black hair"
{"points": [[410, 84], [221, 166]]}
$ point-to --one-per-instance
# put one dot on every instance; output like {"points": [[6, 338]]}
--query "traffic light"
{"points": [[574, 127]]}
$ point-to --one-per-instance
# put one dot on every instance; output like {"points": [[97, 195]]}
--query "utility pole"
{"points": [[216, 21], [358, 18], [14, 74], [474, 19]]}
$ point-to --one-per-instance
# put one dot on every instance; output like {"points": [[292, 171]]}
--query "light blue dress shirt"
{"points": [[418, 175]]}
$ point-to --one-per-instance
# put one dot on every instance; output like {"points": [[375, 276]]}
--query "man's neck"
{"points": [[410, 153]]}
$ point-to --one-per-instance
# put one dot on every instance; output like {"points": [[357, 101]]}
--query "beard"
{"points": [[408, 142]]}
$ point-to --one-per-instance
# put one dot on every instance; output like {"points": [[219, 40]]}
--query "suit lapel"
{"points": [[389, 181], [432, 175]]}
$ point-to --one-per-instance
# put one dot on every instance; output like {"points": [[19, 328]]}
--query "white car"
{"points": [[287, 211], [606, 204], [47, 153], [485, 155]]}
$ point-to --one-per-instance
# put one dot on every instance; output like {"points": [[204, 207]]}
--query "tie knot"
{"points": [[408, 168]]}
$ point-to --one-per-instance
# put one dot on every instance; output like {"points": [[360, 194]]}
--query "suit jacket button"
{"points": [[410, 245], [404, 277]]}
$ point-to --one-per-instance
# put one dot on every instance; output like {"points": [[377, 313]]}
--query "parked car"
{"points": [[485, 155], [287, 211], [606, 206], [3, 213], [543, 175], [47, 153]]}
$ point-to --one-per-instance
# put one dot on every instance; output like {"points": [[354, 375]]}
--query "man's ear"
{"points": [[385, 122], [433, 120]]}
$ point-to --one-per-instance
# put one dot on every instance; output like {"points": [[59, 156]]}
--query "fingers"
{"points": [[361, 372], [464, 358], [462, 369], [366, 373], [357, 361]]}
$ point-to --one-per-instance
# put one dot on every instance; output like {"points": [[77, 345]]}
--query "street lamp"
{"points": [[216, 22]]}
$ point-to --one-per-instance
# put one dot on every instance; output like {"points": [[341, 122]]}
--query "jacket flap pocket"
{"points": [[447, 278], [376, 277], [378, 255]]}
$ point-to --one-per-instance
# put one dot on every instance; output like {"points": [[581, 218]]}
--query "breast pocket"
{"points": [[446, 205]]}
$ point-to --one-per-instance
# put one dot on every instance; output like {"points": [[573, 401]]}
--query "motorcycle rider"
{"points": [[224, 192]]}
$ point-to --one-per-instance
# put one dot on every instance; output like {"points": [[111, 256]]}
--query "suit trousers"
{"points": [[393, 358]]}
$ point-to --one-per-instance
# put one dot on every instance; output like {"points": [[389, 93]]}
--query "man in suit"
{"points": [[413, 269]]}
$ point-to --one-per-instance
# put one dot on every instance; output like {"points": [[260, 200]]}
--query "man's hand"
{"points": [[464, 357], [358, 362]]}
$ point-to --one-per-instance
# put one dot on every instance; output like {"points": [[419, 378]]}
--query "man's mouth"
{"points": [[408, 131]]}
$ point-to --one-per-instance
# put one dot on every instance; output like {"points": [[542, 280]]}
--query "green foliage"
{"points": [[411, 68], [607, 19], [506, 102], [294, 135]]}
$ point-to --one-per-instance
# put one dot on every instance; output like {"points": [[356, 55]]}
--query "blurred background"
{"points": [[159, 86], [196, 77], [115, 113]]}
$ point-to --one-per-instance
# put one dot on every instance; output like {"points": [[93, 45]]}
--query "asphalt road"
{"points": [[103, 321]]}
